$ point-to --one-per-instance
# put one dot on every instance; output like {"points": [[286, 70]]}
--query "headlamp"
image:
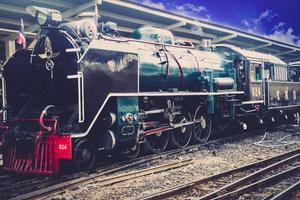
{"points": [[45, 16], [41, 18]]}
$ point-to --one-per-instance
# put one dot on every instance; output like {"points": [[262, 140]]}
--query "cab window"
{"points": [[280, 73], [268, 71], [294, 74], [255, 72]]}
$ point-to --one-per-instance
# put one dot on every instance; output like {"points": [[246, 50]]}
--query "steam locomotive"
{"points": [[84, 89]]}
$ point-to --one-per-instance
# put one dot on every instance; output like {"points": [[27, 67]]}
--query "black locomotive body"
{"points": [[82, 90]]}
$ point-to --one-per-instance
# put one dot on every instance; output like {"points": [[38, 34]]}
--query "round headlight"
{"points": [[41, 18]]}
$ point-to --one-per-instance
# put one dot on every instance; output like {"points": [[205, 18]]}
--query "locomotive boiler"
{"points": [[83, 90]]}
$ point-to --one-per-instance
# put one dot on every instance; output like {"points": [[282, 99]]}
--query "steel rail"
{"points": [[234, 194], [100, 180], [105, 170], [171, 192], [287, 193], [249, 177]]}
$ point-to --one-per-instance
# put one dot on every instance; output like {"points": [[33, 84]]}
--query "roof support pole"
{"points": [[130, 30], [154, 24], [221, 39], [11, 8], [10, 48], [32, 43], [293, 59], [15, 33], [295, 63], [260, 46], [14, 21], [176, 25], [285, 52]]}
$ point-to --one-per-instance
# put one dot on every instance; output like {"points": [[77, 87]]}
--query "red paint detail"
{"points": [[152, 124], [163, 48], [157, 130], [49, 149], [257, 108], [179, 66], [180, 69], [63, 147]]}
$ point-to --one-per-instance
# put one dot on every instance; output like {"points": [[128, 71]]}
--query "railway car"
{"points": [[84, 90]]}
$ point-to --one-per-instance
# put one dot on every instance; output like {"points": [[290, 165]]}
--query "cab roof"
{"points": [[254, 55]]}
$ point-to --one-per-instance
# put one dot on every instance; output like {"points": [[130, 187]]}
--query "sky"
{"points": [[275, 19]]}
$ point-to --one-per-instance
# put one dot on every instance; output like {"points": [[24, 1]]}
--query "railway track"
{"points": [[265, 179], [55, 189], [14, 185], [21, 187], [289, 193]]}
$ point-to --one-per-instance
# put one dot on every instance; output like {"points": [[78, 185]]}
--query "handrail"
{"points": [[80, 82], [41, 119], [4, 109]]}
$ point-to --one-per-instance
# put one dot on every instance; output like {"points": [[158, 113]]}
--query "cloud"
{"points": [[246, 23], [284, 35], [255, 24], [207, 17], [266, 15], [190, 9], [151, 4], [278, 26], [279, 32], [186, 9]]}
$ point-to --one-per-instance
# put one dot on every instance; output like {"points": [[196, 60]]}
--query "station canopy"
{"points": [[129, 16]]}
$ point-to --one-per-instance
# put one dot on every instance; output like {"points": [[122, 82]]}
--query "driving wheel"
{"points": [[157, 143], [203, 125], [84, 155], [181, 136], [133, 152]]}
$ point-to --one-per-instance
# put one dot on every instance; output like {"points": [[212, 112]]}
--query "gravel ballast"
{"points": [[208, 160]]}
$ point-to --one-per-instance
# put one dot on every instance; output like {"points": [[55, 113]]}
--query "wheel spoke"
{"points": [[157, 144], [201, 130], [181, 137]]}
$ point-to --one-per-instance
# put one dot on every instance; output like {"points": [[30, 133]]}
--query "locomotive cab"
{"points": [[254, 71], [271, 87]]}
